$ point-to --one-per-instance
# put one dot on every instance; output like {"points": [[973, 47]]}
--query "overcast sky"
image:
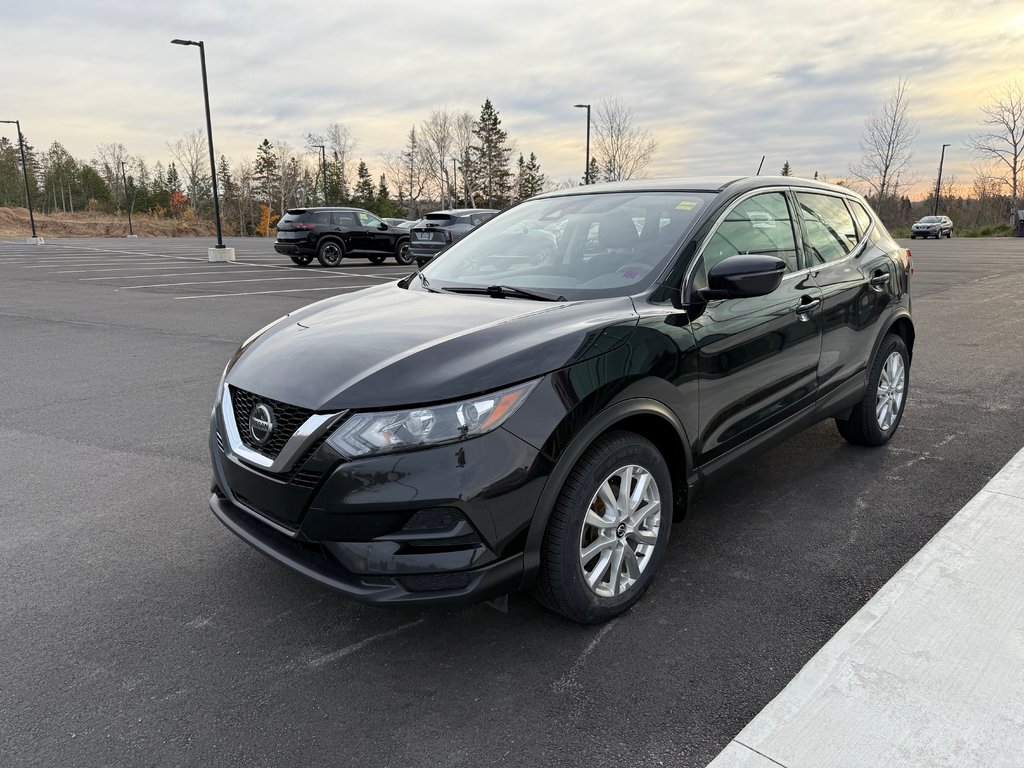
{"points": [[717, 83]]}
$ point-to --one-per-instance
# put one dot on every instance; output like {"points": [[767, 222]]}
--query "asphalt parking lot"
{"points": [[136, 630]]}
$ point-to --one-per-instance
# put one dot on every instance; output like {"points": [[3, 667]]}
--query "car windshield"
{"points": [[578, 246], [930, 220]]}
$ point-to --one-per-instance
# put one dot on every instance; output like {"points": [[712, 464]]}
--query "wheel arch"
{"points": [[648, 418], [331, 239], [903, 327]]}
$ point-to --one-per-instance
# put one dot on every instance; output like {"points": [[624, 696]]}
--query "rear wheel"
{"points": [[877, 417], [403, 254], [913, 237], [301, 260], [377, 258], [330, 253], [608, 531]]}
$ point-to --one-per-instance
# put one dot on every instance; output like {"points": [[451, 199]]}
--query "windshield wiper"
{"points": [[424, 281], [506, 291]]}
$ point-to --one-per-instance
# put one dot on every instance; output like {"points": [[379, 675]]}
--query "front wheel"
{"points": [[608, 531], [877, 417], [913, 237], [330, 253], [301, 260], [403, 254]]}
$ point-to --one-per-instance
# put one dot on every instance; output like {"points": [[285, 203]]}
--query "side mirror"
{"points": [[744, 276]]}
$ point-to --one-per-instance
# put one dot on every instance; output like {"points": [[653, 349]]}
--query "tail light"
{"points": [[302, 225]]}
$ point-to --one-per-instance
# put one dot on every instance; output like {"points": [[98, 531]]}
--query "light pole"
{"points": [[323, 166], [586, 172], [24, 172], [455, 181], [213, 161], [124, 179], [938, 184]]}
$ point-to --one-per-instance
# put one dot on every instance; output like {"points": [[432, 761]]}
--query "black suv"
{"points": [[331, 234], [437, 230], [545, 419]]}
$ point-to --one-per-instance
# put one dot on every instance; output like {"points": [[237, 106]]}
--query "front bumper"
{"points": [[446, 524]]}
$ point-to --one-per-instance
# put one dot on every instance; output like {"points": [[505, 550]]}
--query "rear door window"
{"points": [[343, 219], [829, 232]]}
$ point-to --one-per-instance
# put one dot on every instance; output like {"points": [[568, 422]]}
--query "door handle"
{"points": [[807, 304], [879, 279]]}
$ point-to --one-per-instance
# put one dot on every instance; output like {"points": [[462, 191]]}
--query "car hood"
{"points": [[386, 346]]}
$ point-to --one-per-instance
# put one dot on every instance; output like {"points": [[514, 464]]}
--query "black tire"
{"points": [[330, 253], [377, 258], [865, 425], [949, 235], [913, 237], [301, 260], [561, 583], [403, 253]]}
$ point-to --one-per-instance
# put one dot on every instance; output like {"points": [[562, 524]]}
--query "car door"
{"points": [[757, 357], [346, 226], [857, 276], [375, 233]]}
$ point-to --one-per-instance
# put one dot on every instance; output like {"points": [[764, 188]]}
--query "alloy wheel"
{"points": [[889, 395], [620, 531]]}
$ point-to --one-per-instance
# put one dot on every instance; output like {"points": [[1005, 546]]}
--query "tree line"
{"points": [[451, 159], [457, 159]]}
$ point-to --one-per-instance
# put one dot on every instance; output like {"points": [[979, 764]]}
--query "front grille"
{"points": [[287, 419]]}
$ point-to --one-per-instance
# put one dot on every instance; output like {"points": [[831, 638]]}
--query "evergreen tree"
{"points": [[491, 157], [266, 175], [786, 170], [228, 197], [595, 172], [386, 207], [173, 180], [363, 195], [529, 179], [12, 192]]}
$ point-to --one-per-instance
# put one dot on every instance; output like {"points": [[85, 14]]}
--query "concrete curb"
{"points": [[930, 672]]}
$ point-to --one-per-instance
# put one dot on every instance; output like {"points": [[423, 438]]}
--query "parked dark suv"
{"points": [[544, 420], [437, 230], [331, 234]]}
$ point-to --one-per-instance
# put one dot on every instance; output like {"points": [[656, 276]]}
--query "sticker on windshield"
{"points": [[687, 205]]}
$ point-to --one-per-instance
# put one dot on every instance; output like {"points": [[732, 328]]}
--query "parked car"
{"points": [[400, 223], [332, 234], [932, 226], [437, 230], [541, 422]]}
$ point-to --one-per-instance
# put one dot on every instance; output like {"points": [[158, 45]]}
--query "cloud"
{"points": [[717, 84]]}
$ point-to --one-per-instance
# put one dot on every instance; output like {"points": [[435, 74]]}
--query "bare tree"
{"points": [[193, 158], [885, 146], [407, 172], [437, 142], [622, 148], [1002, 141], [108, 164]]}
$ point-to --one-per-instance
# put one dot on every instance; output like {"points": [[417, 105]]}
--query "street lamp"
{"points": [[124, 179], [586, 172], [323, 165], [228, 253], [938, 183], [455, 180], [24, 171]]}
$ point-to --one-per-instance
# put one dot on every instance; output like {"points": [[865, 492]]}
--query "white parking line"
{"points": [[216, 282], [215, 267], [167, 274], [93, 264], [259, 293]]}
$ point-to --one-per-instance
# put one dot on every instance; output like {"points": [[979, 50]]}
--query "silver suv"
{"points": [[932, 226]]}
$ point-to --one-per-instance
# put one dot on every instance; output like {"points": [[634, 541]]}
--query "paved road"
{"points": [[137, 631]]}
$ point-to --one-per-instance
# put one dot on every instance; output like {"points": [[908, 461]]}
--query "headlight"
{"points": [[366, 434]]}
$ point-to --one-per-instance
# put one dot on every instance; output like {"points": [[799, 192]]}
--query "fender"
{"points": [[605, 419]]}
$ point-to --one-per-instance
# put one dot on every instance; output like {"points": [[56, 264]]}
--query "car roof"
{"points": [[701, 184], [458, 211], [324, 208]]}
